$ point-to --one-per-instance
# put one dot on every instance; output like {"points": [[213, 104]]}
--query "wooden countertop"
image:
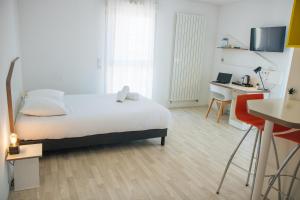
{"points": [[277, 110], [240, 88]]}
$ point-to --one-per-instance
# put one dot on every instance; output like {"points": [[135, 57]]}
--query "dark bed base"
{"points": [[93, 140]]}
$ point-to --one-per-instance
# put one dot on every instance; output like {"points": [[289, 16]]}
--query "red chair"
{"points": [[294, 136], [242, 114]]}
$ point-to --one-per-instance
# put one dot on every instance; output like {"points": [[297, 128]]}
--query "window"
{"points": [[129, 45]]}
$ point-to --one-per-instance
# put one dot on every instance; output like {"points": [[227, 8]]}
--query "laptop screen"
{"points": [[224, 78]]}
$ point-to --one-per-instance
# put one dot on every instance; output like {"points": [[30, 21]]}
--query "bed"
{"points": [[91, 120]]}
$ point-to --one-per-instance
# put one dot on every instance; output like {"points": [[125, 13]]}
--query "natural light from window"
{"points": [[130, 45]]}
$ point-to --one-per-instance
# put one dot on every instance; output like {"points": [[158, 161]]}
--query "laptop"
{"points": [[223, 78]]}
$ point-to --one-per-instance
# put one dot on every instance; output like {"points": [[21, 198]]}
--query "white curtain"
{"points": [[130, 27]]}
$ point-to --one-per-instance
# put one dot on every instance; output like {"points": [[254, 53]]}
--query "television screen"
{"points": [[269, 39]]}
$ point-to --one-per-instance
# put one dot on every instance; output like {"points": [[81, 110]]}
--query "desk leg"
{"points": [[263, 159]]}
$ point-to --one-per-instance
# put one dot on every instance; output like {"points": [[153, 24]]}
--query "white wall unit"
{"points": [[188, 57]]}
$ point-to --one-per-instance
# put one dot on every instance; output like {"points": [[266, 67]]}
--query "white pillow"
{"points": [[54, 94], [43, 107]]}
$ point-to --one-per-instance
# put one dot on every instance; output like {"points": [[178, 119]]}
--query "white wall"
{"points": [[59, 44], [8, 51], [165, 44], [236, 20], [61, 39]]}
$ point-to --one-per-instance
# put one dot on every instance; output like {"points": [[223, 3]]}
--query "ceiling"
{"points": [[218, 2]]}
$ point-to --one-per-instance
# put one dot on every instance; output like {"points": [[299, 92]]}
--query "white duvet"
{"points": [[94, 114]]}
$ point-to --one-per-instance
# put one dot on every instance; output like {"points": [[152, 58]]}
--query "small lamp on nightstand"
{"points": [[14, 147]]}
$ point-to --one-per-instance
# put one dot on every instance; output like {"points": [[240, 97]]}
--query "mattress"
{"points": [[94, 114]]}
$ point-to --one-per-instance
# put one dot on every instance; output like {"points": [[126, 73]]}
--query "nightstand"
{"points": [[26, 166]]}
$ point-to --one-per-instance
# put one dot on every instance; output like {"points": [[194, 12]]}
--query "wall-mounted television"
{"points": [[268, 39]]}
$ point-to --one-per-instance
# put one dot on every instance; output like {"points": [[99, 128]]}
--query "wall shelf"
{"points": [[233, 48], [241, 45]]}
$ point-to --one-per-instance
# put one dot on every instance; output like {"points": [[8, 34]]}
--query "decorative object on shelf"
{"points": [[234, 44], [258, 71], [14, 147], [225, 42]]}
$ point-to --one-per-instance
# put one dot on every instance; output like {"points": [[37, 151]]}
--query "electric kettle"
{"points": [[246, 80]]}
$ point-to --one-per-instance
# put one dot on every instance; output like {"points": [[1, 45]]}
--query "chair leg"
{"points": [[277, 166], [256, 165], [223, 108], [285, 162], [209, 108], [231, 158], [252, 158], [293, 180], [220, 111]]}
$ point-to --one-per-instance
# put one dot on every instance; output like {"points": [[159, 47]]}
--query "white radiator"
{"points": [[188, 57]]}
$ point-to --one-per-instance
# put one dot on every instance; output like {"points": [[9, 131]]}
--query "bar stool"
{"points": [[294, 136], [222, 96], [242, 114]]}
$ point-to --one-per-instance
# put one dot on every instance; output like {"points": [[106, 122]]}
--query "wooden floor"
{"points": [[189, 166]]}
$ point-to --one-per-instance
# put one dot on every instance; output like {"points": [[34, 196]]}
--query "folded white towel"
{"points": [[133, 96], [121, 95]]}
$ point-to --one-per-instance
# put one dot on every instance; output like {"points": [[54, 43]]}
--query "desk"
{"points": [[273, 111], [238, 90]]}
